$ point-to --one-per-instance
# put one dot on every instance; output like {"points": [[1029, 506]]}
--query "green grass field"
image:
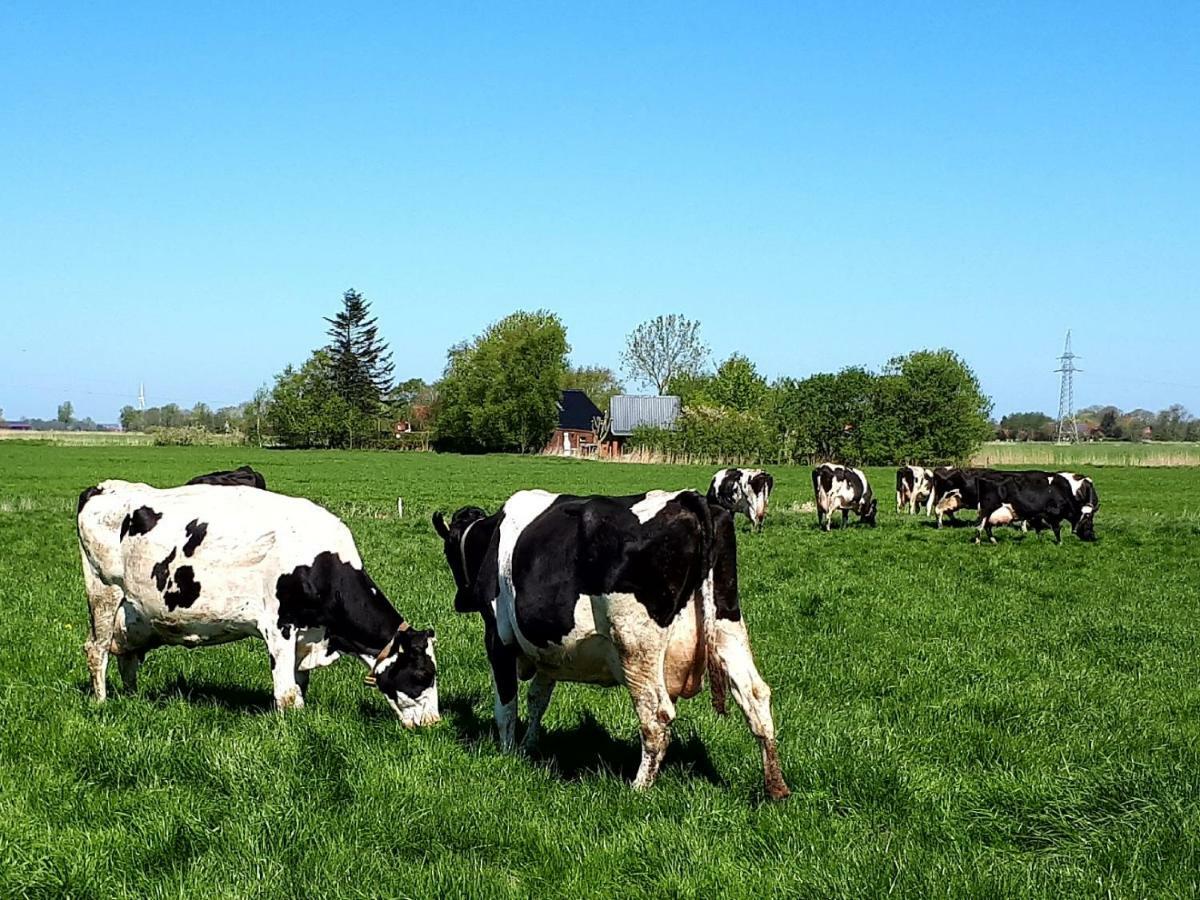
{"points": [[1101, 453], [1019, 719]]}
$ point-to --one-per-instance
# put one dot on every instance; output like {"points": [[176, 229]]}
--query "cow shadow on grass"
{"points": [[585, 750], [227, 696]]}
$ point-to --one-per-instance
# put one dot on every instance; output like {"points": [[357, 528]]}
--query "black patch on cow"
{"points": [[187, 588], [340, 598], [596, 545], [141, 521], [286, 631], [242, 476], [162, 571], [272, 660], [196, 531], [84, 497], [724, 565], [724, 492], [762, 481]]}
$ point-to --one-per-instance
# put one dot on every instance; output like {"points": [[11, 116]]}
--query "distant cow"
{"points": [[913, 484], [1043, 499], [841, 487], [743, 491], [242, 476], [639, 591], [204, 564]]}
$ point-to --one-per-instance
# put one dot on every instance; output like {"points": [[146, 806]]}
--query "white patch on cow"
{"points": [[520, 510], [652, 504], [1087, 510]]}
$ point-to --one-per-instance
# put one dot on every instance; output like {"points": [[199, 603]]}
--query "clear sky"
{"points": [[188, 188]]}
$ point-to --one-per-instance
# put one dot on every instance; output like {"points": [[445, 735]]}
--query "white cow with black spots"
{"points": [[208, 564]]}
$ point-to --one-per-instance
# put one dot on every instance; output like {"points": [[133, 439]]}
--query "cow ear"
{"points": [[439, 525]]}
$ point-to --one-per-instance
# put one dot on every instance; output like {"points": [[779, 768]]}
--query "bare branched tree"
{"points": [[658, 350]]}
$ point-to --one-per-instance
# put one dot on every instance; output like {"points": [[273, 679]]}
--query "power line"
{"points": [[1068, 427]]}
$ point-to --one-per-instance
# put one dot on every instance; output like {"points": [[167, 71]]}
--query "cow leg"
{"points": [[537, 700], [127, 665], [283, 669], [655, 713], [845, 516], [753, 695], [103, 602], [302, 682], [1057, 526], [504, 681]]}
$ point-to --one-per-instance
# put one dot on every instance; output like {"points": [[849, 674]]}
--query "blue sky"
{"points": [[188, 189]]}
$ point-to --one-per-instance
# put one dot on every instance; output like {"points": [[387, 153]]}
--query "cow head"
{"points": [[405, 672], [1085, 526], [867, 509], [464, 541]]}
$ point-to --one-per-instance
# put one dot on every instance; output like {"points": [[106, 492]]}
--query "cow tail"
{"points": [[717, 680]]}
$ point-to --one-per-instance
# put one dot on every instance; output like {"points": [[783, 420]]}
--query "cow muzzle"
{"points": [[1086, 529], [419, 712]]}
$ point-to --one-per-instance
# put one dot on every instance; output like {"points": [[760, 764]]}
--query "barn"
{"points": [[575, 434], [629, 412]]}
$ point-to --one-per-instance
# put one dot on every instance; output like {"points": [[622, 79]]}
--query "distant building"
{"points": [[629, 412], [16, 426], [575, 435]]}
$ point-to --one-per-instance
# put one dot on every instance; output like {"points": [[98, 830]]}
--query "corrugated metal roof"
{"points": [[630, 412]]}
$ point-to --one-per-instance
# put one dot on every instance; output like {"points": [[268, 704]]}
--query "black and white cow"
{"points": [[913, 485], [639, 591], [1043, 499], [205, 564], [1084, 492], [242, 476], [743, 491], [841, 487], [958, 489]]}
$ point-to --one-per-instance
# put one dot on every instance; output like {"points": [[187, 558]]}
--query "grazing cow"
{"points": [[956, 489], [639, 591], [202, 564], [913, 484], [242, 476], [841, 487], [1042, 499], [743, 491], [1084, 492]]}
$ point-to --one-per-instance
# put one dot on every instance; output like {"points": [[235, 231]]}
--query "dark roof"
{"points": [[630, 412], [576, 411]]}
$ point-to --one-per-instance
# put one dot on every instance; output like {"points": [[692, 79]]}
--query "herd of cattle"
{"points": [[640, 591]]}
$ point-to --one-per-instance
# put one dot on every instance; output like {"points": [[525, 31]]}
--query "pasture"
{"points": [[1019, 719]]}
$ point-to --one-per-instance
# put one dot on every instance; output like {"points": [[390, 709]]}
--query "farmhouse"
{"points": [[575, 434]]}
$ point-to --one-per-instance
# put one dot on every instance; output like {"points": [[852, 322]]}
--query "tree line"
{"points": [[500, 391], [1109, 423]]}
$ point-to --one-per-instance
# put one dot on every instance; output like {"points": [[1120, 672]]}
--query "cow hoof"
{"points": [[993, 540]]}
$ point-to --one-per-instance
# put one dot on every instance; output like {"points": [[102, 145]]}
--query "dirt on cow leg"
{"points": [[754, 697], [103, 603], [537, 700], [655, 712]]}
